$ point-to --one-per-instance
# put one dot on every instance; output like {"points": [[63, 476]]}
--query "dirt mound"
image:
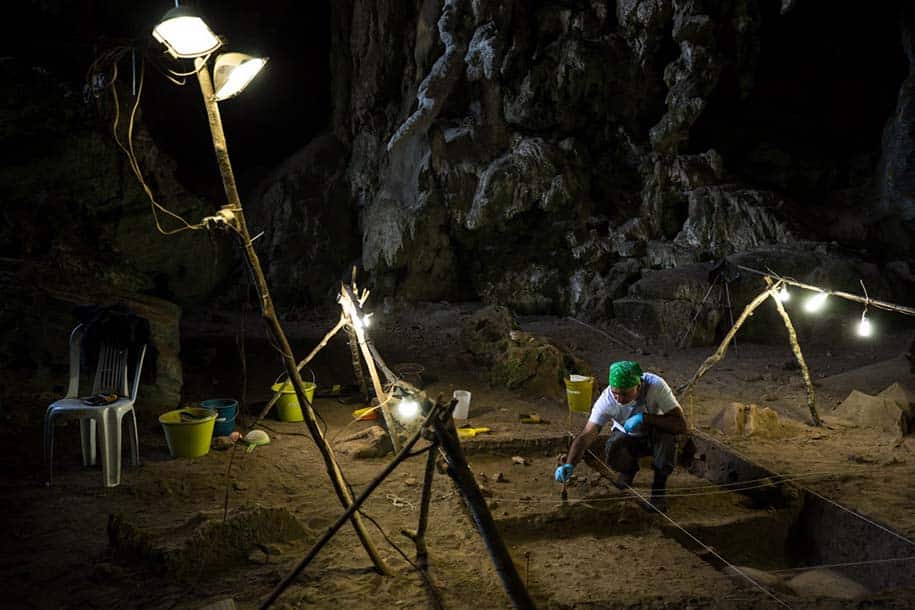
{"points": [[739, 419], [889, 411]]}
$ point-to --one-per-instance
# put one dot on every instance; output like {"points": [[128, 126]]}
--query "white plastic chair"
{"points": [[99, 421]]}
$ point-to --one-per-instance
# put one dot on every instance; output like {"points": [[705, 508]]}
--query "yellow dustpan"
{"points": [[466, 433]]}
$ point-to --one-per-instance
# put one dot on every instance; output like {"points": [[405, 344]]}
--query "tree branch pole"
{"points": [[460, 473], [909, 311], [391, 376], [723, 348], [269, 313], [306, 360], [796, 348], [403, 454], [356, 360], [348, 300]]}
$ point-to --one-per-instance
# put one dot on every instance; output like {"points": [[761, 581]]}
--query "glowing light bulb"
{"points": [[816, 302], [407, 410], [864, 326], [783, 295]]}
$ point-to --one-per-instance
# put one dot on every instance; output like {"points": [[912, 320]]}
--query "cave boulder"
{"points": [[518, 360], [671, 306]]}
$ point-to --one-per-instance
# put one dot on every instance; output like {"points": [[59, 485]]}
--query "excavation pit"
{"points": [[723, 512]]}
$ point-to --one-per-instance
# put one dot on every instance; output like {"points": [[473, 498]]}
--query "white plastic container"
{"points": [[462, 408]]}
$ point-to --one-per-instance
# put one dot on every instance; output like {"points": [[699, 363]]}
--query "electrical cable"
{"points": [[131, 155]]}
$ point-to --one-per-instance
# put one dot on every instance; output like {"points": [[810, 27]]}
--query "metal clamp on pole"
{"points": [[223, 219]]}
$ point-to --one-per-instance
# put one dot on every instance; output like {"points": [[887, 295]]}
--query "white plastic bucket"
{"points": [[462, 408]]}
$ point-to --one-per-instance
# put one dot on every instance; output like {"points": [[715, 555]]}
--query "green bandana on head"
{"points": [[625, 374]]}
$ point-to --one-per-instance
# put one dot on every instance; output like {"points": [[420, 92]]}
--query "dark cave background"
{"points": [[576, 158]]}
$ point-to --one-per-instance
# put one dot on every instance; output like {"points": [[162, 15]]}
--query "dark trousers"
{"points": [[622, 452]]}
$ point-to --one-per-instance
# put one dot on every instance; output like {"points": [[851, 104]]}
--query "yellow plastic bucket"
{"points": [[579, 390], [288, 407], [188, 431]]}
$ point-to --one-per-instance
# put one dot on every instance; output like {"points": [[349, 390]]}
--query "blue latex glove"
{"points": [[633, 423], [564, 473]]}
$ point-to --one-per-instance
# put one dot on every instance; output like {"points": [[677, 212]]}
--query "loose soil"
{"points": [[599, 550]]}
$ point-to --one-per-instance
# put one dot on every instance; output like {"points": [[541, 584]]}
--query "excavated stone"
{"points": [[370, 443], [826, 583]]}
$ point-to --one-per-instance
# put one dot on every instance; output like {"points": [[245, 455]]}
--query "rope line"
{"points": [[844, 565], [699, 542]]}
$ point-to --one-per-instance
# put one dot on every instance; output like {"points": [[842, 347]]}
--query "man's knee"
{"points": [[619, 453]]}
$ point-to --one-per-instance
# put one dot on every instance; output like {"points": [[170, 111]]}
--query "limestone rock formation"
{"points": [[548, 157]]}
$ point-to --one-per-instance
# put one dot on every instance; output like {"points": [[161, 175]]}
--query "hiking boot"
{"points": [[624, 480], [658, 500]]}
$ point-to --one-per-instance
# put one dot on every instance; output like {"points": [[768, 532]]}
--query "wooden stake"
{"points": [[419, 536], [796, 348], [234, 208], [460, 473], [351, 510], [348, 301]]}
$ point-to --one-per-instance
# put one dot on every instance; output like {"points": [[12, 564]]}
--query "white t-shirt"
{"points": [[655, 397]]}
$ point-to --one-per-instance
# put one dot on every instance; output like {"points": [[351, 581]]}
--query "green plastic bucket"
{"points": [[188, 431], [579, 390], [288, 407]]}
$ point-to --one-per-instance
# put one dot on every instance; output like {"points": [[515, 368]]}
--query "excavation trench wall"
{"points": [[817, 532], [824, 532]]}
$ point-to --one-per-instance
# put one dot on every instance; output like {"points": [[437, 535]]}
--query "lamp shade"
{"points": [[185, 34], [233, 72]]}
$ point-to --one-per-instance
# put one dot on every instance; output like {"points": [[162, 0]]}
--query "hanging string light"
{"points": [[816, 302], [783, 295], [864, 326]]}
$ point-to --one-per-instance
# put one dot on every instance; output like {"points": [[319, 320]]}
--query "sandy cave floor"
{"points": [[57, 554]]}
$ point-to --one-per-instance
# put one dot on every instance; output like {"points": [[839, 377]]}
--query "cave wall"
{"points": [[549, 155], [76, 228]]}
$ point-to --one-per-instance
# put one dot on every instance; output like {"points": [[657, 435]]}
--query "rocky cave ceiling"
{"points": [[549, 156]]}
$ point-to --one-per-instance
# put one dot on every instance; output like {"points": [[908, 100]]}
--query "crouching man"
{"points": [[646, 420]]}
